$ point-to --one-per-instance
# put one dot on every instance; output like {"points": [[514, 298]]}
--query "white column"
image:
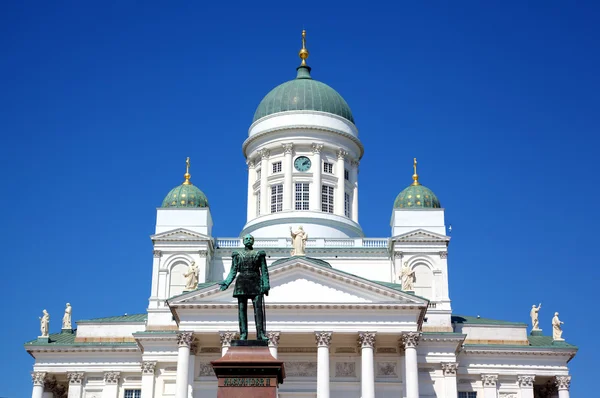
{"points": [[338, 201], [157, 254], [38, 379], [402, 369], [563, 383], [323, 343], [315, 189], [148, 368], [450, 369], [367, 374], [288, 185], [191, 369], [251, 209], [490, 389], [226, 338], [354, 179], [410, 341], [264, 175], [111, 384], [184, 341], [273, 343], [526, 385], [75, 384]]}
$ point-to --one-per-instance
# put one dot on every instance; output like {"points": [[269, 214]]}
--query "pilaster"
{"points": [[111, 384], [338, 206], [526, 385], [264, 186], [251, 208], [288, 185], [354, 179], [490, 389], [273, 343], [315, 190], [450, 369], [148, 368], [75, 384]]}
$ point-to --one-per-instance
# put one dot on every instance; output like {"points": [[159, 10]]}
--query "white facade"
{"points": [[337, 317]]}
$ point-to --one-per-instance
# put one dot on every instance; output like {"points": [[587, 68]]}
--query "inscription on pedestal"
{"points": [[246, 382]]}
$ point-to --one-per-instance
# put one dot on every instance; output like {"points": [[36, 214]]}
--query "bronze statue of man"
{"points": [[251, 283]]}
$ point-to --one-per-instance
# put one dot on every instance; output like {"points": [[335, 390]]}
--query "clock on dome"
{"points": [[302, 163]]}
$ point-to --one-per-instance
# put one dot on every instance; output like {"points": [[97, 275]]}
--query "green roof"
{"points": [[417, 196], [465, 319], [185, 195], [118, 318], [68, 339], [547, 341], [303, 93]]}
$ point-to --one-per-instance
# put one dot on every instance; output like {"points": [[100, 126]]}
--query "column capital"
{"points": [[526, 381], [489, 380], [203, 253], [563, 382], [273, 339], [411, 339], [443, 255], [148, 367], [341, 154], [316, 148], [112, 377], [250, 164], [184, 339], [366, 339], [264, 153], [287, 148], [157, 253], [354, 163], [450, 368], [226, 337], [75, 377], [38, 378], [323, 339]]}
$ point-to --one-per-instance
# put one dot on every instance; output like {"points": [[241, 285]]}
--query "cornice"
{"points": [[517, 351]]}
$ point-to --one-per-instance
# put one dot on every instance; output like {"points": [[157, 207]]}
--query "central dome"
{"points": [[303, 94]]}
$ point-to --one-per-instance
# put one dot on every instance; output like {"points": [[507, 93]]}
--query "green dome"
{"points": [[185, 195], [303, 93], [416, 196]]}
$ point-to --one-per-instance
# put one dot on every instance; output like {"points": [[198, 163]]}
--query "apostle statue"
{"points": [[191, 277], [299, 238], [535, 322], [252, 283], [556, 328], [66, 321], [407, 277], [45, 323]]}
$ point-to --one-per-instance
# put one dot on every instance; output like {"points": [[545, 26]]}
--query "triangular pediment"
{"points": [[301, 281], [421, 235], [179, 234]]}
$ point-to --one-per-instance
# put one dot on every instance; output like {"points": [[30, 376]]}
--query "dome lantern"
{"points": [[416, 196], [186, 195]]}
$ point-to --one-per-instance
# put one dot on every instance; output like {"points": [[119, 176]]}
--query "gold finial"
{"points": [[187, 174], [415, 176], [303, 54]]}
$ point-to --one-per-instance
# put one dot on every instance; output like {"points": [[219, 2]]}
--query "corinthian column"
{"points": [[315, 189], [251, 209], [338, 207], [449, 369], [226, 338], [490, 389], [323, 341], [526, 385], [563, 383], [354, 176], [367, 375], [38, 379], [264, 175], [410, 341], [288, 186], [184, 341], [75, 384], [148, 368], [273, 343], [111, 384]]}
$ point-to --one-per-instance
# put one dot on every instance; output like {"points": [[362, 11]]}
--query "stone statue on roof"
{"points": [[556, 328], [45, 323], [191, 277], [299, 238], [66, 321], [535, 322], [408, 277]]}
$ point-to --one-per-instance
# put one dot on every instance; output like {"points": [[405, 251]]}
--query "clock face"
{"points": [[302, 163]]}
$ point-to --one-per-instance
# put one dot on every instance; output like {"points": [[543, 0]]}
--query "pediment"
{"points": [[178, 235], [421, 235], [298, 281]]}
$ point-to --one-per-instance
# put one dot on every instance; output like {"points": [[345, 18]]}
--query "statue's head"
{"points": [[248, 240], [68, 305], [556, 314], [533, 306], [300, 228]]}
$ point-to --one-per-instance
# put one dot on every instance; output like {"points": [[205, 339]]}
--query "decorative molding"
{"points": [[341, 154], [386, 369], [563, 382], [411, 339], [38, 378], [157, 253], [75, 377], [526, 381], [387, 350], [264, 154], [203, 253], [297, 350], [489, 380], [443, 255], [226, 337], [366, 339], [449, 368], [184, 339], [316, 148], [398, 254], [345, 350], [273, 338], [287, 148], [171, 369], [345, 369], [112, 377], [148, 367], [205, 369], [301, 369], [209, 349], [323, 339], [507, 395], [354, 163]]}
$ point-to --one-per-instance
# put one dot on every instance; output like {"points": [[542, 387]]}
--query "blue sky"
{"points": [[102, 101]]}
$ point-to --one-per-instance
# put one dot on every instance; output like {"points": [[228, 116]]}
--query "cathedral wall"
{"points": [[404, 221], [117, 329], [197, 220], [482, 334]]}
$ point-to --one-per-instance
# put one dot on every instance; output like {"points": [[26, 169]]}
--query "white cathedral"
{"points": [[350, 316]]}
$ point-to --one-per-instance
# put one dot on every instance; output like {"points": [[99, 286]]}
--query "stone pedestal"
{"points": [[536, 332], [248, 370]]}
